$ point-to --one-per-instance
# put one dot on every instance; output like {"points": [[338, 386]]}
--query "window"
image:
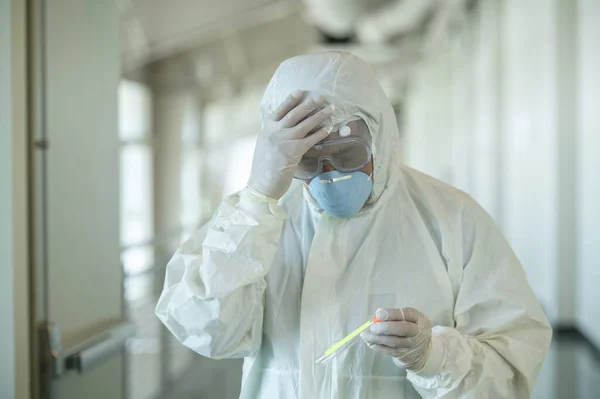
{"points": [[136, 222], [143, 374]]}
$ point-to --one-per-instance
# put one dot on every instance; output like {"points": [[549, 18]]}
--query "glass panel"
{"points": [[137, 260], [144, 349], [180, 358], [144, 359], [239, 165], [191, 175], [135, 107], [136, 194]]}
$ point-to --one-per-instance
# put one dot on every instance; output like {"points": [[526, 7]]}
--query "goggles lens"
{"points": [[346, 155]]}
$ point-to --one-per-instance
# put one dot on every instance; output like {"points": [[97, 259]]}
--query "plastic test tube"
{"points": [[345, 342]]}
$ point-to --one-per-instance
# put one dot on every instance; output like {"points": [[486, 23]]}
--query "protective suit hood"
{"points": [[348, 83]]}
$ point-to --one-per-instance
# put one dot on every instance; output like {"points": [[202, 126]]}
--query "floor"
{"points": [[208, 379], [571, 370]]}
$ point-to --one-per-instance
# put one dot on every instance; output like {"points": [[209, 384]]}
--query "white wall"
{"points": [[589, 169], [169, 120], [452, 111], [494, 113], [530, 134], [566, 172], [428, 137], [486, 120], [461, 107], [7, 353]]}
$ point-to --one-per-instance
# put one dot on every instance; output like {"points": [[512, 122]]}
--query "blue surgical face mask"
{"points": [[341, 194]]}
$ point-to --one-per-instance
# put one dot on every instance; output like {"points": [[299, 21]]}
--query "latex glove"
{"points": [[283, 142], [404, 334]]}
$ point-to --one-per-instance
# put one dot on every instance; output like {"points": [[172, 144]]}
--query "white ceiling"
{"points": [[238, 42], [155, 29], [167, 20], [339, 17]]}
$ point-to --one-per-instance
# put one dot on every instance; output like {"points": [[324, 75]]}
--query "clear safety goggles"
{"points": [[347, 149]]}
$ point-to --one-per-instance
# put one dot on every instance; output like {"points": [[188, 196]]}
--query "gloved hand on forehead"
{"points": [[283, 141], [404, 334]]}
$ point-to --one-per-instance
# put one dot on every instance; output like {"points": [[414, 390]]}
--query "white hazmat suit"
{"points": [[278, 282]]}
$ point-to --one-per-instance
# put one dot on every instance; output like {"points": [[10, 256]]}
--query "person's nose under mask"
{"points": [[342, 194]]}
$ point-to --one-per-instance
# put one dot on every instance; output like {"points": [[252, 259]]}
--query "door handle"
{"points": [[82, 355]]}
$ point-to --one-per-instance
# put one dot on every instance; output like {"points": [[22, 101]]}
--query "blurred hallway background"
{"points": [[127, 122]]}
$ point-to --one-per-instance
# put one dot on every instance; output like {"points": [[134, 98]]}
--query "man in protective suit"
{"points": [[287, 267]]}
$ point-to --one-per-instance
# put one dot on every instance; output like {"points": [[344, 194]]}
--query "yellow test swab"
{"points": [[349, 337]]}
